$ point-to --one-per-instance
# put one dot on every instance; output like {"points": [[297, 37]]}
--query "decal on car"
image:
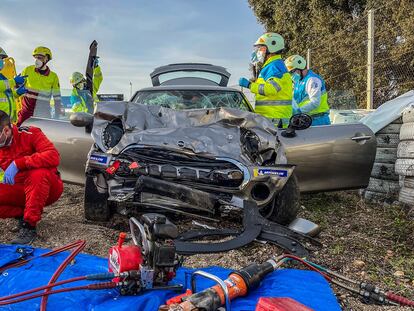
{"points": [[99, 158], [269, 171]]}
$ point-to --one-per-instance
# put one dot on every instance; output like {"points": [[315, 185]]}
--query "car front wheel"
{"points": [[96, 205], [285, 206]]}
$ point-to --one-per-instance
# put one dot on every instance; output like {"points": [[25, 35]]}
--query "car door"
{"points": [[332, 157], [73, 144]]}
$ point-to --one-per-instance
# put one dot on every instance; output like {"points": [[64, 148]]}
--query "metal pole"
{"points": [[130, 89], [308, 59], [370, 61]]}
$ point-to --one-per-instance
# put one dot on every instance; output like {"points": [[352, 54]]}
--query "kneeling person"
{"points": [[31, 179]]}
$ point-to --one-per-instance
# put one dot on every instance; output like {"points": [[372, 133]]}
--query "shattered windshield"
{"points": [[192, 99]]}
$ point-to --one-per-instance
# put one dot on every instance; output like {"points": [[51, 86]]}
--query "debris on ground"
{"points": [[379, 236]]}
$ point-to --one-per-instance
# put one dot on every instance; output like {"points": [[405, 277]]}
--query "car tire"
{"points": [[285, 206], [404, 167], [376, 197], [386, 155], [407, 131], [96, 205], [406, 149], [393, 128], [406, 196], [387, 140], [408, 115], [384, 171], [383, 186], [409, 182]]}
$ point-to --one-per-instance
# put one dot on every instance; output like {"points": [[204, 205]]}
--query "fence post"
{"points": [[370, 61], [308, 59]]}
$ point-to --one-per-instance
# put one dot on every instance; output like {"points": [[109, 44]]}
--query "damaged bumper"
{"points": [[225, 178]]}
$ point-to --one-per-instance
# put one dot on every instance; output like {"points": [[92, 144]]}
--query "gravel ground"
{"points": [[364, 242]]}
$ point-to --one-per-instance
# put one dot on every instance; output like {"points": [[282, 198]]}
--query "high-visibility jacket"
{"points": [[41, 86], [9, 71], [274, 90], [301, 97], [8, 97], [81, 100]]}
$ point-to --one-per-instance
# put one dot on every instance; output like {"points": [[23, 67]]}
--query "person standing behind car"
{"points": [[81, 99], [309, 91], [8, 91], [271, 81], [42, 84]]}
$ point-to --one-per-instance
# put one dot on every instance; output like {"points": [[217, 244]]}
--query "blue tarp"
{"points": [[307, 287]]}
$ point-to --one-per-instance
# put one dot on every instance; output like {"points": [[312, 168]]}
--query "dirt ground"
{"points": [[364, 242]]}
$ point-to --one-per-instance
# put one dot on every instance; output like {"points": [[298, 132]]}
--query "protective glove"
{"points": [[10, 173], [243, 82], [20, 80], [21, 90], [96, 62]]}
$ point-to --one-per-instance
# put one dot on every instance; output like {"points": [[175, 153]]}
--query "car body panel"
{"points": [[73, 144], [332, 157]]}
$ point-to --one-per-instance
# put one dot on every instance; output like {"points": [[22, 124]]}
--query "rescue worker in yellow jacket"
{"points": [[10, 89], [309, 92], [42, 84], [271, 81], [81, 99]]}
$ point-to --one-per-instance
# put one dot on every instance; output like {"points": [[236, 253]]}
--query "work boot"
{"points": [[18, 226], [26, 235]]}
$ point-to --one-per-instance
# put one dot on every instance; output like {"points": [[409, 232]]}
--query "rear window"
{"points": [[192, 99], [213, 77]]}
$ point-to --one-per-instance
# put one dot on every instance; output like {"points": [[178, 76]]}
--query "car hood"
{"points": [[220, 132]]}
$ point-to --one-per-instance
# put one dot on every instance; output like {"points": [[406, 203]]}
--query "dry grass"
{"points": [[380, 236]]}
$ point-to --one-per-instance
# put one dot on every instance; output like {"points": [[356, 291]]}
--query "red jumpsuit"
{"points": [[37, 184]]}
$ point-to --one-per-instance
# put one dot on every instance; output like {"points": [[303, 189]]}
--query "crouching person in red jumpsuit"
{"points": [[31, 180]]}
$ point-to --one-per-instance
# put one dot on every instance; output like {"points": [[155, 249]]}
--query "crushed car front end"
{"points": [[148, 155]]}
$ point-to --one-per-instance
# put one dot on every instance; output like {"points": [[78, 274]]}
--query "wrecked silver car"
{"points": [[226, 152]]}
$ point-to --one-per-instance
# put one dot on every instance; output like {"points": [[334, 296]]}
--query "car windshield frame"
{"points": [[184, 99]]}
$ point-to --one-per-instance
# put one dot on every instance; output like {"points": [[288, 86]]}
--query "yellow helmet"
{"points": [[3, 53], [41, 50], [76, 78], [273, 41], [295, 62]]}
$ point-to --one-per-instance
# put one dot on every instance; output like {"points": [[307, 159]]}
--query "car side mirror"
{"points": [[299, 121], [82, 119]]}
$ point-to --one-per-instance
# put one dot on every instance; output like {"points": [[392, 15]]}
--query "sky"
{"points": [[134, 36]]}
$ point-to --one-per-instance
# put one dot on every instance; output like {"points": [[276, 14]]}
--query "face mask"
{"points": [[1, 64], [38, 63], [4, 139], [295, 77], [258, 56], [80, 86]]}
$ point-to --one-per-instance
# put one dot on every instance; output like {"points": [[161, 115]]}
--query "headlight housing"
{"points": [[113, 133]]}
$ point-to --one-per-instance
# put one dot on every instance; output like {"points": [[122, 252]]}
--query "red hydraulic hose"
{"points": [[80, 246], [30, 291], [62, 290], [51, 253], [399, 299]]}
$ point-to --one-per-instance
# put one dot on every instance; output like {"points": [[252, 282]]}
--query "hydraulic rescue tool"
{"points": [[152, 261], [238, 284], [149, 264], [241, 282]]}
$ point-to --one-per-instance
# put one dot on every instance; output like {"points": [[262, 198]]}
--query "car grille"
{"points": [[180, 167]]}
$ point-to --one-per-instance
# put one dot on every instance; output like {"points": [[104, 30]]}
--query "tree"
{"points": [[336, 33]]}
